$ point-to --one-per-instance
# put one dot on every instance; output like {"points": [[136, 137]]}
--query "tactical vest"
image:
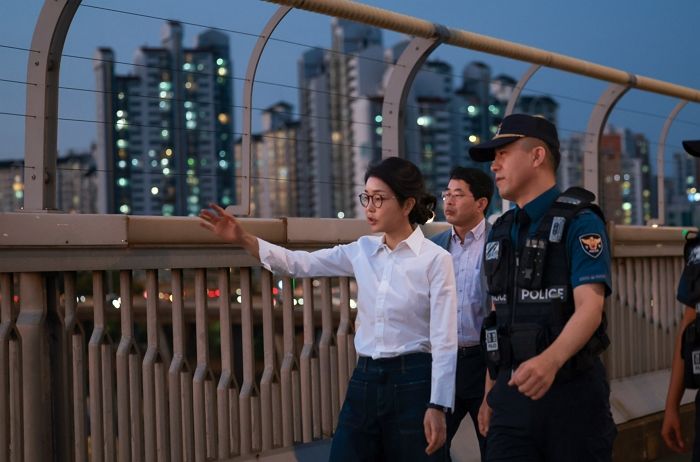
{"points": [[531, 287], [690, 279]]}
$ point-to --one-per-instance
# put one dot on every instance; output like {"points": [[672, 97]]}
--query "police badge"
{"points": [[592, 244]]}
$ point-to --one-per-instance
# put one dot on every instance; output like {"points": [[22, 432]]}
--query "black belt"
{"points": [[469, 350]]}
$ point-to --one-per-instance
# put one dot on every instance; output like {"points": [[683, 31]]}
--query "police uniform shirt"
{"points": [[406, 297], [587, 245]]}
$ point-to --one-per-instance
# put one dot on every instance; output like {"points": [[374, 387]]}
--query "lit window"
{"points": [[226, 200], [122, 144], [165, 134], [191, 124], [151, 153], [190, 162], [379, 130], [222, 153], [154, 163], [378, 119], [166, 171], [188, 85], [135, 162], [626, 206], [223, 164], [124, 208], [189, 115], [164, 162], [222, 71], [121, 164], [122, 182], [341, 215], [188, 104], [471, 109], [120, 113], [473, 139], [187, 67], [168, 152], [154, 190], [223, 118], [120, 95], [220, 62]]}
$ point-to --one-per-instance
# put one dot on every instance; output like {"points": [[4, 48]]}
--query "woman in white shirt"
{"points": [[406, 334]]}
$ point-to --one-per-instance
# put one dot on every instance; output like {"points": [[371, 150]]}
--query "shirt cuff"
{"points": [[265, 251]]}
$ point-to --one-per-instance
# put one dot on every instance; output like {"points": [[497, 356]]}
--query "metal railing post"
{"points": [[243, 206], [43, 69], [397, 88], [36, 405], [660, 167], [596, 124]]}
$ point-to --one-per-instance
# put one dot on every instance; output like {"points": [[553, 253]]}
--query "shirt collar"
{"points": [[477, 231], [537, 207], [414, 242]]}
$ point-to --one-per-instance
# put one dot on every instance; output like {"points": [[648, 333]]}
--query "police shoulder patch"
{"points": [[592, 244]]}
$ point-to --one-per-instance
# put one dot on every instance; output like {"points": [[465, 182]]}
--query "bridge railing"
{"points": [[153, 341]]}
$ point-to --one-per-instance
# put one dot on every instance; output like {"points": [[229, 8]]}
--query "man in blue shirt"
{"points": [[466, 201], [689, 295], [548, 267]]}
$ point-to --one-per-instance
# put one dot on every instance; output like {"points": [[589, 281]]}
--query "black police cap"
{"points": [[514, 127]]}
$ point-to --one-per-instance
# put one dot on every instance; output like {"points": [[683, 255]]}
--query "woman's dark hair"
{"points": [[405, 180]]}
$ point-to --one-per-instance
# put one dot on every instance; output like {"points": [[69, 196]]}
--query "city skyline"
{"points": [[626, 35]]}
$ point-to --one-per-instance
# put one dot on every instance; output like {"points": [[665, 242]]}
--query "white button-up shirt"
{"points": [[467, 258], [406, 298]]}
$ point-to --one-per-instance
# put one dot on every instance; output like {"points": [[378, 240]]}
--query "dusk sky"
{"points": [[653, 38]]}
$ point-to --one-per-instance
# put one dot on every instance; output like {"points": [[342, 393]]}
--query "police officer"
{"points": [[682, 371], [547, 263]]}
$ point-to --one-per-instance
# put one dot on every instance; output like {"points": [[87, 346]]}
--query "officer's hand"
{"points": [[671, 431], [534, 377], [435, 426], [484, 418]]}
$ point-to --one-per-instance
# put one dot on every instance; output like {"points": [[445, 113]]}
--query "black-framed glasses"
{"points": [[377, 199]]}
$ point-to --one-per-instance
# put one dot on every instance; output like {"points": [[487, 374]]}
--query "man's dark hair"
{"points": [[480, 183]]}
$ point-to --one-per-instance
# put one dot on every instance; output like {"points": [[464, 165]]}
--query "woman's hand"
{"points": [[222, 224], [229, 229], [435, 426]]}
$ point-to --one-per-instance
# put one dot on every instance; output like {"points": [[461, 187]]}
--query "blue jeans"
{"points": [[382, 416]]}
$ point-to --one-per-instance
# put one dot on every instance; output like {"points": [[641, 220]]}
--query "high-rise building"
{"points": [[166, 145], [570, 172], [274, 179], [11, 185], [434, 123], [682, 191], [339, 100], [625, 177], [76, 183]]}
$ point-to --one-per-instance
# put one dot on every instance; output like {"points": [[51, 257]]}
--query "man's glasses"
{"points": [[377, 199], [446, 196]]}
